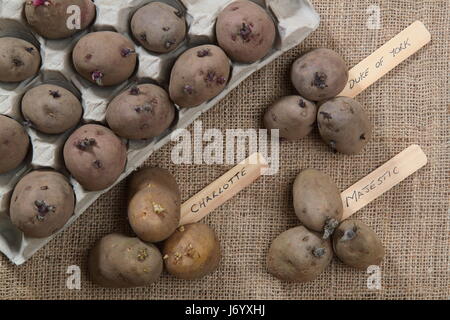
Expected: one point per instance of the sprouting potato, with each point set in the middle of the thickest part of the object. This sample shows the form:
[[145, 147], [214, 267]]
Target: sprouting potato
[[357, 245], [344, 125], [317, 201], [299, 255]]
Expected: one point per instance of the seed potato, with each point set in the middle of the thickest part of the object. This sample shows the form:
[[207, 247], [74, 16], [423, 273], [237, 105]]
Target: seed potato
[[319, 75], [95, 156], [293, 116], [19, 60], [49, 18], [51, 109], [199, 74], [142, 112], [154, 205], [105, 58], [159, 27], [317, 201], [299, 255], [192, 252], [14, 144], [245, 31], [42, 203], [344, 125], [357, 245], [118, 261]]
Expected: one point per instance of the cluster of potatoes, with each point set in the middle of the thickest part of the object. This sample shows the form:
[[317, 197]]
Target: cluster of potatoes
[[95, 155], [319, 77], [302, 253], [188, 252]]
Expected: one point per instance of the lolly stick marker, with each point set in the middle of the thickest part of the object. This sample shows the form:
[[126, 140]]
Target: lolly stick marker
[[386, 58], [382, 179], [223, 189]]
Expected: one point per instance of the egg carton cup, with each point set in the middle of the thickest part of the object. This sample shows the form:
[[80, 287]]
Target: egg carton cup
[[295, 20]]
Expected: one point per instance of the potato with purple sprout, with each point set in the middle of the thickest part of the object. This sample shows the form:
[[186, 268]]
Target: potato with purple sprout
[[19, 60], [245, 31], [141, 112], [42, 203], [159, 27], [51, 18], [95, 156], [105, 58], [199, 74]]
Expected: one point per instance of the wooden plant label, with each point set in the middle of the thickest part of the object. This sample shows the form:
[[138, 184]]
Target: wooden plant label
[[382, 179], [223, 189], [386, 58]]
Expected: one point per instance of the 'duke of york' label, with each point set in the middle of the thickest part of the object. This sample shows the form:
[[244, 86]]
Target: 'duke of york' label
[[386, 58], [223, 189], [382, 179]]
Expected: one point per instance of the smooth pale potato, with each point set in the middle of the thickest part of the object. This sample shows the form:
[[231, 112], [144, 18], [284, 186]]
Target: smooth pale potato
[[51, 109], [245, 31], [317, 201], [357, 245], [50, 21], [199, 74], [299, 255], [105, 58], [159, 27], [344, 125], [142, 112], [42, 203], [294, 116], [118, 261], [192, 252], [95, 157], [14, 144], [319, 75], [154, 204], [19, 60]]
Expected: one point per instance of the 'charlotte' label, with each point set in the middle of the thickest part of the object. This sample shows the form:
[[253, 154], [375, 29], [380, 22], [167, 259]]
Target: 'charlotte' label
[[218, 192]]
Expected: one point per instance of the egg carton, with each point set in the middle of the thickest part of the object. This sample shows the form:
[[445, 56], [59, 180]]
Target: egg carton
[[295, 20]]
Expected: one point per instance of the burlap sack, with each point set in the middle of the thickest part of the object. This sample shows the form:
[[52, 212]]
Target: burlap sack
[[409, 105]]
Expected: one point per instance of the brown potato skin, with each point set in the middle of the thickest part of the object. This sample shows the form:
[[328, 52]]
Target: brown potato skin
[[316, 199], [192, 252], [158, 28], [294, 116], [319, 75], [51, 114], [103, 52], [108, 149], [249, 44], [118, 261], [51, 21], [344, 125], [154, 189], [291, 257], [49, 186], [14, 144], [363, 250], [19, 60], [144, 113], [196, 79]]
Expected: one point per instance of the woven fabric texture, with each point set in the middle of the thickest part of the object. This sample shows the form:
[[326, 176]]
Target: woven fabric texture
[[410, 105]]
